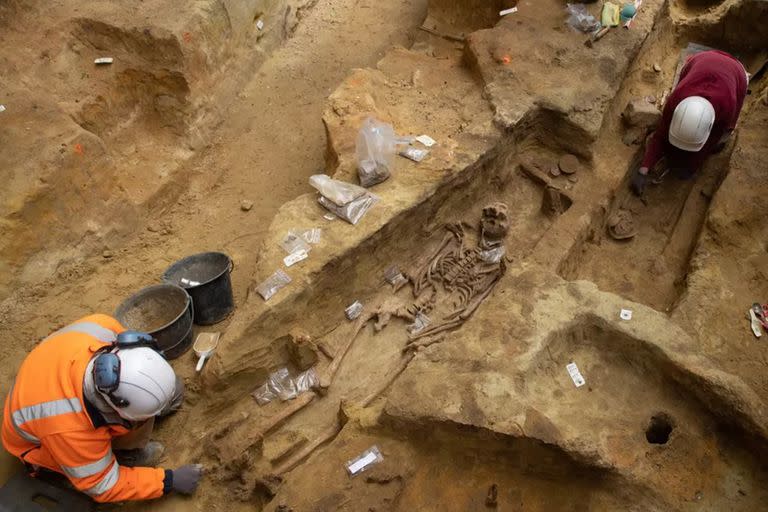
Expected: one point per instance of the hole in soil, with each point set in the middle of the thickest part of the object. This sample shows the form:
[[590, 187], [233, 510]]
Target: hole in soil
[[700, 4], [659, 429], [458, 18]]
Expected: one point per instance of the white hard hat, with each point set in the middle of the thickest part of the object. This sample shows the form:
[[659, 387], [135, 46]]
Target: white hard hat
[[691, 123], [147, 384]]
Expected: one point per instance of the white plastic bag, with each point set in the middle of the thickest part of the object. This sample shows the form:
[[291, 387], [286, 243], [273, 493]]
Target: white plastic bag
[[354, 310], [273, 284], [420, 323], [279, 384], [294, 242], [415, 154], [338, 192], [492, 255], [305, 381], [353, 211], [580, 18], [376, 147]]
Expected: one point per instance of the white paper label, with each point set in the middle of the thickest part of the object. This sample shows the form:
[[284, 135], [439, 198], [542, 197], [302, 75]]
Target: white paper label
[[295, 257], [626, 314], [360, 464], [260, 25], [508, 11], [426, 140], [103, 60], [2, 108], [575, 374]]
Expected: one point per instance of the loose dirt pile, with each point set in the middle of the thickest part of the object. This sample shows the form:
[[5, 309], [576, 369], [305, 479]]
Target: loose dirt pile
[[596, 373]]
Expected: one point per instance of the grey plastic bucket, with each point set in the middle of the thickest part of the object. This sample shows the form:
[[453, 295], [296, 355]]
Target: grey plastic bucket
[[205, 277], [165, 311]]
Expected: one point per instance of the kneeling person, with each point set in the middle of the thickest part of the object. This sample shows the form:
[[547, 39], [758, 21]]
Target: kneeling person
[[699, 115], [87, 389]]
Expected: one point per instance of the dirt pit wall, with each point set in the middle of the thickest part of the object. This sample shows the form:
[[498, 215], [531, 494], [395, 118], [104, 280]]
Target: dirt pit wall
[[503, 354], [95, 145]]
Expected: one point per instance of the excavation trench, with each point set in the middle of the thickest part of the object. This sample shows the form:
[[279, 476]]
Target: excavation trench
[[490, 406], [241, 451], [469, 468], [651, 268]]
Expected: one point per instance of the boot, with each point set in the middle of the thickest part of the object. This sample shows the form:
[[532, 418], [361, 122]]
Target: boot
[[149, 456]]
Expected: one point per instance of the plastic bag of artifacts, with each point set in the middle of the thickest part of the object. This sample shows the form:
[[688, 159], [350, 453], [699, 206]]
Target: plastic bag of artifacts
[[415, 154], [294, 242], [581, 19], [394, 277], [281, 385], [353, 310], [337, 192], [353, 211], [375, 148], [274, 283], [420, 323]]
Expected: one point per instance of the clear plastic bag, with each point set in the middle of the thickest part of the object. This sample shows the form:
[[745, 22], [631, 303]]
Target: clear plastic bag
[[394, 277], [376, 146], [493, 255], [580, 19], [419, 324], [305, 381], [415, 154], [338, 192], [294, 242], [312, 236], [351, 212], [273, 284], [281, 385], [367, 459], [354, 310], [264, 394]]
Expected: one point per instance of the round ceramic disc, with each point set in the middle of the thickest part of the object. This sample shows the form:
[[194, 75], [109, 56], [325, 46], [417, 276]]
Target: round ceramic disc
[[569, 164]]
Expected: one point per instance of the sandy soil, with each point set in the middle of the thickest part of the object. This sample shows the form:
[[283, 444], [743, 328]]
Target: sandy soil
[[263, 149], [488, 403]]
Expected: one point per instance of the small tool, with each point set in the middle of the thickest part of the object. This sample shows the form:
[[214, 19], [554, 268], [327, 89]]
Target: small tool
[[756, 320], [204, 347], [598, 36]]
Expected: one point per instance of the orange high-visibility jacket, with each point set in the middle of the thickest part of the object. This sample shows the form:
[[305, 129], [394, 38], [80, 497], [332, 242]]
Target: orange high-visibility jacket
[[46, 422]]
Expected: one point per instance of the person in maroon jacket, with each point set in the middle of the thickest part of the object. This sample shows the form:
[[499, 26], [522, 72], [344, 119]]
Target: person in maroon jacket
[[700, 114]]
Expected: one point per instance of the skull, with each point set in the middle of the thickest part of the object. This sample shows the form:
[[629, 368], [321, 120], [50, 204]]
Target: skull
[[494, 224]]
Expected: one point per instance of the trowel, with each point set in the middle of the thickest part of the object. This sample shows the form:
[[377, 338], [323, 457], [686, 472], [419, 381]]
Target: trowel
[[204, 347]]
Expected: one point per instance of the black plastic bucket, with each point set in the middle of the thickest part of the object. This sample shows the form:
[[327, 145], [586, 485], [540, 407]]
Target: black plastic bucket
[[206, 277], [164, 311]]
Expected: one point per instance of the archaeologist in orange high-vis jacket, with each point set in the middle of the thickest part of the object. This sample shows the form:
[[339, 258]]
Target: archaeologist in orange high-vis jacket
[[86, 390]]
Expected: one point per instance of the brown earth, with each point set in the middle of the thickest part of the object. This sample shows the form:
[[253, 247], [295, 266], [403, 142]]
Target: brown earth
[[202, 110]]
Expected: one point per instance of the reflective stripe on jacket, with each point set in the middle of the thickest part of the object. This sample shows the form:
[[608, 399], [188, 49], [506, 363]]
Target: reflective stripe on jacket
[[45, 421]]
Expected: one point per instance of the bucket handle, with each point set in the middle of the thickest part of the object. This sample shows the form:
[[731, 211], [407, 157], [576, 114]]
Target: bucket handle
[[231, 265]]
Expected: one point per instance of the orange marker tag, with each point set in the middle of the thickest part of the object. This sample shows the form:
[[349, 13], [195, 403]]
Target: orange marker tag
[[79, 149]]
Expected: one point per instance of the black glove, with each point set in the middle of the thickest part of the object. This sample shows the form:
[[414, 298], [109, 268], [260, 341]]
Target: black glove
[[637, 183], [186, 478]]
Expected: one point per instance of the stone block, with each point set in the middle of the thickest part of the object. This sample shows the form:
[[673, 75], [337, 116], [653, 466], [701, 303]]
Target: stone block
[[641, 114]]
